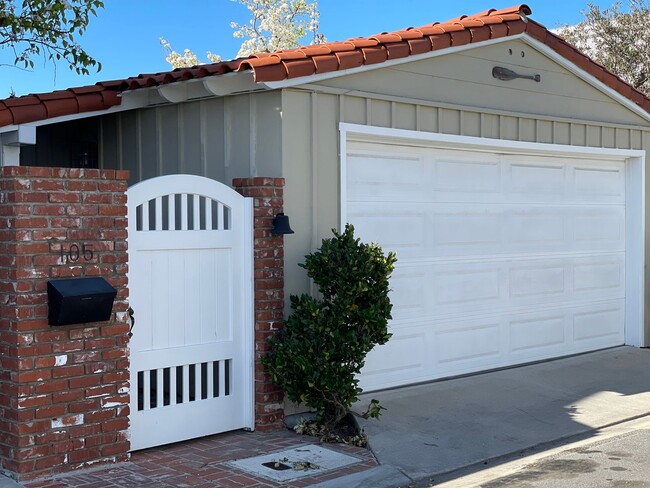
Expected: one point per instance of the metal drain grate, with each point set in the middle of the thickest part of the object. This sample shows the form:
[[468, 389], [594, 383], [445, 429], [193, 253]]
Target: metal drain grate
[[295, 463]]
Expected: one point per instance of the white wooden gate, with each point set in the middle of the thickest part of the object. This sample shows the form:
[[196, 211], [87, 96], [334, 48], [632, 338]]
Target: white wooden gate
[[190, 281]]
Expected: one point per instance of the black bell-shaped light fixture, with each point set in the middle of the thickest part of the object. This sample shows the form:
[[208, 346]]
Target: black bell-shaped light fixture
[[281, 225]]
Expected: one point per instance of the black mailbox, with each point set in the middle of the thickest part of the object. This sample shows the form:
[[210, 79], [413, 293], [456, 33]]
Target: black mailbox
[[79, 300]]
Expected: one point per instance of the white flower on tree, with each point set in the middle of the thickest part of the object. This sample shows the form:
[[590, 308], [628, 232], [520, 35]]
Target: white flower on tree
[[617, 39], [274, 25]]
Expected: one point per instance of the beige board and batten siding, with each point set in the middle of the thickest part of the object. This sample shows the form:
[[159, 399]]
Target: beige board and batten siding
[[220, 138], [311, 137], [465, 78]]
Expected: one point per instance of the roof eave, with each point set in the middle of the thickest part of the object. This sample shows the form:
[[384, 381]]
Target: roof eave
[[170, 93]]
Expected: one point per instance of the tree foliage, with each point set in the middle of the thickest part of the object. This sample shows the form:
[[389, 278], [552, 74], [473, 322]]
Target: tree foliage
[[324, 342], [274, 25], [617, 39], [48, 28]]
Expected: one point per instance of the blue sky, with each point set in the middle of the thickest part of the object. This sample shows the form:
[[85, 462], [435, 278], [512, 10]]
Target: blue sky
[[125, 35]]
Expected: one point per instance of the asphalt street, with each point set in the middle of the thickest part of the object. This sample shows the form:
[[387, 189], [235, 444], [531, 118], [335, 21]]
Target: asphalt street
[[616, 457]]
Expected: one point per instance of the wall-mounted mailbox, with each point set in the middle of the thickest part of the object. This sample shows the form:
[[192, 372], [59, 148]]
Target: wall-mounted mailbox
[[79, 300]]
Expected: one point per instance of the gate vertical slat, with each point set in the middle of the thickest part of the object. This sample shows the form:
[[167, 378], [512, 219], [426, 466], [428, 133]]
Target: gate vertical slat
[[197, 212], [186, 383], [198, 372], [184, 197], [146, 391], [222, 378], [145, 216], [208, 214], [171, 202], [160, 388], [210, 381], [220, 216], [159, 214], [172, 386]]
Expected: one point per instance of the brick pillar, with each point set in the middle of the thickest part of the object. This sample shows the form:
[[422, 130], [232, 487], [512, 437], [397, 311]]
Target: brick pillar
[[64, 391], [269, 291]]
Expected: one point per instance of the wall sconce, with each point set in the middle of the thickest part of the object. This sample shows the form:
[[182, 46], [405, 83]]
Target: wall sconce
[[281, 225], [505, 74]]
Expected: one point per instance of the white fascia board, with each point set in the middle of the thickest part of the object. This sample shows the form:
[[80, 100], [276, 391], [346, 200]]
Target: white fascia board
[[231, 83], [580, 73], [386, 64], [483, 144], [22, 135]]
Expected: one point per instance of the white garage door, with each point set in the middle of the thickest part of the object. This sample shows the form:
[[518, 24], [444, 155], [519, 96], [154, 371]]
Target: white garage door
[[503, 259]]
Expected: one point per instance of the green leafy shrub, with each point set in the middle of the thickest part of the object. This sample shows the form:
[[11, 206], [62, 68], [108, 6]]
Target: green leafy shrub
[[324, 342]]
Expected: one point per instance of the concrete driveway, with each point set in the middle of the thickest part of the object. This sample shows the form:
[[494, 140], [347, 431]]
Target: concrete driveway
[[470, 423]]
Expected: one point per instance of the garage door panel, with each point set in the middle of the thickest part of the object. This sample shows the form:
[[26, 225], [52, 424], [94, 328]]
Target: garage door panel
[[547, 331], [450, 177], [405, 354], [600, 276], [434, 231], [410, 174], [540, 280], [466, 285], [477, 340], [393, 177], [602, 183], [441, 348], [536, 180], [402, 230], [535, 229], [599, 323], [428, 290], [600, 228], [502, 259]]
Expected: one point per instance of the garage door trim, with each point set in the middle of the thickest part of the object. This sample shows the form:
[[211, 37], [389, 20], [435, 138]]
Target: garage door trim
[[635, 195]]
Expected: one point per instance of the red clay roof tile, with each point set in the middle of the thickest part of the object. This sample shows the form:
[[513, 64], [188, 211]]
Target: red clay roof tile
[[419, 46], [62, 106], [349, 59], [386, 38], [360, 42], [460, 38], [430, 30], [480, 34], [28, 113], [498, 30], [326, 64], [298, 68], [323, 58], [21, 101], [374, 54], [440, 42], [5, 117], [318, 50], [398, 50]]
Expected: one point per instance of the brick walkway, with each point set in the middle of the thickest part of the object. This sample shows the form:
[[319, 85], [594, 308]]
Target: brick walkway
[[202, 464]]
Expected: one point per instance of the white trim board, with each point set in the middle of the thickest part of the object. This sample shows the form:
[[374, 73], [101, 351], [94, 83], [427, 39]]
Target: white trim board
[[635, 193]]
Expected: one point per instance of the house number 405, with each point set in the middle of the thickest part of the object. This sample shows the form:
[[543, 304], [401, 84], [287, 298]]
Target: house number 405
[[75, 252]]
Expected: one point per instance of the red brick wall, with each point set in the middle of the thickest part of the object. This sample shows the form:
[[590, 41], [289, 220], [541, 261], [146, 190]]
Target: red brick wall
[[268, 251], [64, 391]]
